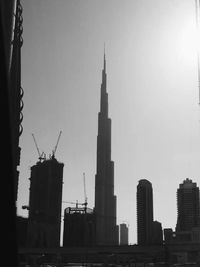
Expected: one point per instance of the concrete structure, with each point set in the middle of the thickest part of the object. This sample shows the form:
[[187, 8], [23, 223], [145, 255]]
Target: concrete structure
[[79, 227], [123, 234], [105, 200], [144, 212], [45, 203], [188, 206]]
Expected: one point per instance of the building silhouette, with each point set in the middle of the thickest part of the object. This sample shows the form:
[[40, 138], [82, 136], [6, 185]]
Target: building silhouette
[[79, 227], [11, 109], [157, 233], [123, 234], [188, 216], [11, 22], [45, 203], [188, 206], [105, 200], [188, 219], [149, 232], [144, 212]]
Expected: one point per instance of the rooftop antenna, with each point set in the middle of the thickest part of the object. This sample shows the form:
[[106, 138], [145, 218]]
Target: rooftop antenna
[[54, 151]]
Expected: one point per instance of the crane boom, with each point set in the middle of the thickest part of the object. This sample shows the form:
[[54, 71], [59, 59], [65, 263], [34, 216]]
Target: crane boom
[[76, 203], [54, 151], [85, 195], [36, 145]]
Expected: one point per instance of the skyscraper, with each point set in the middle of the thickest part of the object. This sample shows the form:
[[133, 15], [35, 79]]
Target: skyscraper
[[105, 200], [188, 206], [45, 204], [144, 212]]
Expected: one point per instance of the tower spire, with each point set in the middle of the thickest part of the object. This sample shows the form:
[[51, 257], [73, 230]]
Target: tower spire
[[104, 95]]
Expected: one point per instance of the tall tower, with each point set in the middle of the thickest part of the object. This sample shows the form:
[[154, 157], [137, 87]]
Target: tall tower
[[188, 206], [45, 204], [105, 200], [144, 212]]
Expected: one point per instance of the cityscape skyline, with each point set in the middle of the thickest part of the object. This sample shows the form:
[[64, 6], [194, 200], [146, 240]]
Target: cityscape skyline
[[132, 110]]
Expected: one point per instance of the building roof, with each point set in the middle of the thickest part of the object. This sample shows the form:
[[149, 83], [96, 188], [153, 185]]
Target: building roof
[[188, 184]]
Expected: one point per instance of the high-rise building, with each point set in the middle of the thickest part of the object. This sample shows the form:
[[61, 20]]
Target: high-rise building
[[123, 234], [105, 200], [188, 206], [144, 212], [45, 203]]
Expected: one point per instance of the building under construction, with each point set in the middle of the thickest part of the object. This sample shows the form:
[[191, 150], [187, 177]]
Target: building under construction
[[45, 202], [79, 226]]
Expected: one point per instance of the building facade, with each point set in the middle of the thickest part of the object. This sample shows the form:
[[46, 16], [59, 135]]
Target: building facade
[[188, 206], [45, 202], [144, 212], [105, 200]]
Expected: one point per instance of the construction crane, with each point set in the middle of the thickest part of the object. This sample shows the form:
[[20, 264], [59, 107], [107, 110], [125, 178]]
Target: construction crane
[[39, 154], [76, 203], [54, 151], [85, 195]]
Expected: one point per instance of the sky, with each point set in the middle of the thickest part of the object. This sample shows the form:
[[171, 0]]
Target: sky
[[152, 88]]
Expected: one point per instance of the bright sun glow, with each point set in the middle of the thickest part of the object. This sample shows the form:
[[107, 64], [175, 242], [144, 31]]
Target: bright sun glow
[[189, 42]]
